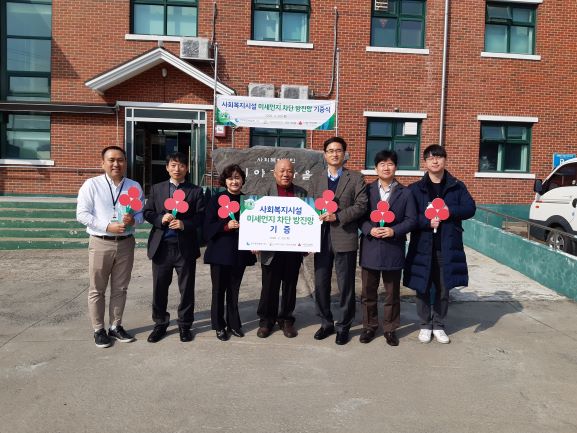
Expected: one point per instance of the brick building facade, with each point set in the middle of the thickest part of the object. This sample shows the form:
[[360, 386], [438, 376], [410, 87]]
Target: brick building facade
[[115, 74]]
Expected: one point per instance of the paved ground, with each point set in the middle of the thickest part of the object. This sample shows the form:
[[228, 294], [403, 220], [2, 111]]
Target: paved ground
[[511, 366]]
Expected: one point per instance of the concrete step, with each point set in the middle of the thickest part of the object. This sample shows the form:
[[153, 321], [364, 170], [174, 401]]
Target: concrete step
[[37, 205], [38, 213], [50, 243], [64, 233]]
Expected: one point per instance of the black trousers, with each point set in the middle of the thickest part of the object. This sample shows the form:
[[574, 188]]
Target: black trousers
[[167, 259], [432, 310], [284, 269], [345, 264], [226, 282], [369, 299]]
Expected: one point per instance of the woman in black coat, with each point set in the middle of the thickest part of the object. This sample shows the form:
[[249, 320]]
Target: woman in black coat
[[227, 262], [383, 249]]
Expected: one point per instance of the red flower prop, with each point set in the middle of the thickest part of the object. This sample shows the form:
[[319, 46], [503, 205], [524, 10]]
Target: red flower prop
[[437, 209], [382, 214], [176, 203], [326, 203], [228, 207], [131, 200]]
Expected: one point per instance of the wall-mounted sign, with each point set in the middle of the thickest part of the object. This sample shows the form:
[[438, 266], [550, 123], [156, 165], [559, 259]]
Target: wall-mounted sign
[[560, 158], [281, 113]]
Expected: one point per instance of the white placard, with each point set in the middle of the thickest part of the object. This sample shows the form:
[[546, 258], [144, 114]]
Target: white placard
[[410, 128], [279, 224]]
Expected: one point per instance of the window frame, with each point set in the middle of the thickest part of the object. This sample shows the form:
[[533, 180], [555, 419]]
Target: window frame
[[5, 74], [278, 134], [4, 134], [281, 8], [508, 23], [394, 139], [165, 4], [400, 17], [502, 146]]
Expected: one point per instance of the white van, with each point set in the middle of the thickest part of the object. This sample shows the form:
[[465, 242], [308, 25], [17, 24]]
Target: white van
[[555, 206]]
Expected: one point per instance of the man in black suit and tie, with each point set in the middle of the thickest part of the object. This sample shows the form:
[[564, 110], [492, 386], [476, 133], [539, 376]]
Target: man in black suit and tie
[[172, 244]]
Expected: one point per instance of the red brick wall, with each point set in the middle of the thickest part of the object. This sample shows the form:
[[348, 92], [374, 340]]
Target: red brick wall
[[89, 39]]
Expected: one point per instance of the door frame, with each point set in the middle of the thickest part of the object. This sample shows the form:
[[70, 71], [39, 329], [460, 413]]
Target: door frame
[[195, 115]]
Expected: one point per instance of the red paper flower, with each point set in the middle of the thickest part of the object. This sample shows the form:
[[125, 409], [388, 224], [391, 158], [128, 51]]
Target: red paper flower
[[176, 203], [131, 199], [326, 203], [382, 214], [227, 207], [437, 209]]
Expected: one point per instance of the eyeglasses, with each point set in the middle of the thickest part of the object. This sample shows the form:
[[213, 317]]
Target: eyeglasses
[[334, 151], [434, 158]]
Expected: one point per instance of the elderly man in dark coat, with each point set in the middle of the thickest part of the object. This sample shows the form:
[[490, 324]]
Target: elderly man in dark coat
[[436, 257], [383, 248]]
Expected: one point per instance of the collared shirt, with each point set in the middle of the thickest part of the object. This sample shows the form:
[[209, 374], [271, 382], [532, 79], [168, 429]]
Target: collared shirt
[[385, 193], [339, 173], [95, 208]]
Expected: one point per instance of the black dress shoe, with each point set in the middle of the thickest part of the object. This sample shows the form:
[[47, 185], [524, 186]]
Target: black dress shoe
[[222, 335], [157, 334], [392, 339], [323, 333], [236, 332], [185, 334], [342, 338], [367, 336], [263, 332]]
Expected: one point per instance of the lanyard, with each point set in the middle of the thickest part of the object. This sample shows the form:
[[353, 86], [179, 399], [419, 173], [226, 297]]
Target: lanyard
[[114, 201]]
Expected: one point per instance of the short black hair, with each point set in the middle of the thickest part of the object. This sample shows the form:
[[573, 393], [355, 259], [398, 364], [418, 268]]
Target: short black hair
[[386, 155], [435, 150], [228, 171], [335, 140], [107, 148], [177, 157]]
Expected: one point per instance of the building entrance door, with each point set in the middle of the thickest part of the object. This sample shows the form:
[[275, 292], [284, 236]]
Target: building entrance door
[[150, 139]]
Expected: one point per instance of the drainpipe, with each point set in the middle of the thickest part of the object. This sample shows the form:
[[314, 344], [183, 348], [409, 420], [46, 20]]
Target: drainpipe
[[213, 113], [335, 27], [337, 94], [444, 74]]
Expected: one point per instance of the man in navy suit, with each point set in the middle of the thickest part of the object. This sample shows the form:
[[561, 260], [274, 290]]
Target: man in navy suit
[[383, 248], [172, 245]]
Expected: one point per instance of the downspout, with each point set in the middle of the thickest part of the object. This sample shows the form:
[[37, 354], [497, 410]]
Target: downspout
[[444, 74], [213, 113], [337, 95], [335, 25]]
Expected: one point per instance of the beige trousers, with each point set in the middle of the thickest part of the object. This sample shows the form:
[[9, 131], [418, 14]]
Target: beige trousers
[[108, 260]]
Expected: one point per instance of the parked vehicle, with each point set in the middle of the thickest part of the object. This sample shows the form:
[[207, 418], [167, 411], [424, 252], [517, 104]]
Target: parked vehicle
[[555, 207]]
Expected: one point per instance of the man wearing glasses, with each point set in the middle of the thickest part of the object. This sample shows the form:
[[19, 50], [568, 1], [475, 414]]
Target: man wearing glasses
[[339, 240], [436, 259]]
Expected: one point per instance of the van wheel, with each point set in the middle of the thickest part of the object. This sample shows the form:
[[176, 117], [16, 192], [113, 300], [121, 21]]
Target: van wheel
[[561, 242]]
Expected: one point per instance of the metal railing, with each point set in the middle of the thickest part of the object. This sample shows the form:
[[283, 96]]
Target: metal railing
[[554, 237]]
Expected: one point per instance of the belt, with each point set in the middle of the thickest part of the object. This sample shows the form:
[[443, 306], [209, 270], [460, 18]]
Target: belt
[[113, 238]]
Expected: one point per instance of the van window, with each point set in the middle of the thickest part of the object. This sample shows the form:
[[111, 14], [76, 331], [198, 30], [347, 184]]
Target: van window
[[564, 176]]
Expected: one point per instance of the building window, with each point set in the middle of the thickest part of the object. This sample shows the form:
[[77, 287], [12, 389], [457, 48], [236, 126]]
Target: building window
[[25, 45], [165, 17], [400, 23], [510, 28], [504, 147], [277, 137], [24, 136], [401, 135], [280, 20]]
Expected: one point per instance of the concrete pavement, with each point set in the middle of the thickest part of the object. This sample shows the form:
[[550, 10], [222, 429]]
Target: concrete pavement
[[511, 366]]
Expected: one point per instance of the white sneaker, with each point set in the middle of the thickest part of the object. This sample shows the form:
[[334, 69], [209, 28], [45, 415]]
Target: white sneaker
[[441, 337], [425, 335]]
